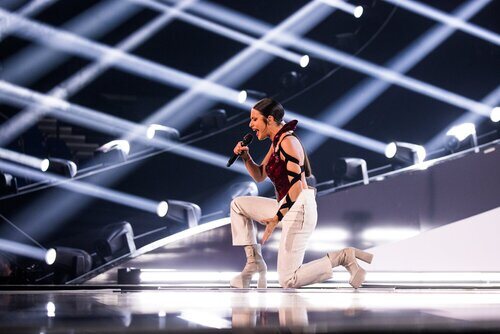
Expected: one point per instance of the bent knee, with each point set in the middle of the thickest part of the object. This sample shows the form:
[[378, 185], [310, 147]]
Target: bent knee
[[288, 281]]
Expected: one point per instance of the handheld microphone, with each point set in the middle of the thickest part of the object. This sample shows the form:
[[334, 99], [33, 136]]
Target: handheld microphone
[[245, 142]]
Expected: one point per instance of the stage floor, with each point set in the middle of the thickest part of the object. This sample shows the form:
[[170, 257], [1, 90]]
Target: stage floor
[[331, 309]]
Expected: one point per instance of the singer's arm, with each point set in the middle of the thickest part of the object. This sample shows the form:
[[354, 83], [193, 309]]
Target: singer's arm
[[257, 172]]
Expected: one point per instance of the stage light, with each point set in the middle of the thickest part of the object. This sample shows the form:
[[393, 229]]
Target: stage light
[[292, 80], [495, 114], [115, 240], [185, 213], [70, 263], [161, 131], [347, 170], [115, 151], [358, 11], [213, 120], [242, 96], [304, 61], [44, 166], [8, 184], [162, 209], [61, 167], [246, 94], [406, 153], [50, 256], [456, 136]]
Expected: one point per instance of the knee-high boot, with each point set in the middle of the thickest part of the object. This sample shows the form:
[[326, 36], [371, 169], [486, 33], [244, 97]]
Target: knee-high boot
[[255, 264], [347, 258]]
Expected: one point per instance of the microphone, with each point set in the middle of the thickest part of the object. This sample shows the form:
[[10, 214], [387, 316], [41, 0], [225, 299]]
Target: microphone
[[246, 141]]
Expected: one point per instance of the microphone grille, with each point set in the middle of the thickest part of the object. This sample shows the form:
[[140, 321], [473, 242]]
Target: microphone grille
[[247, 139]]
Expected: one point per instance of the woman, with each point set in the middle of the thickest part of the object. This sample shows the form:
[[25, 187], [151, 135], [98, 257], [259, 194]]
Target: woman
[[287, 165]]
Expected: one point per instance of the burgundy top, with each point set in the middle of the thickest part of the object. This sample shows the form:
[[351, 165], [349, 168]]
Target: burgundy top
[[276, 168]]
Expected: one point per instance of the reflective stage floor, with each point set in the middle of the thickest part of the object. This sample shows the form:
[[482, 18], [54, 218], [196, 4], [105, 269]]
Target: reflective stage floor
[[330, 309]]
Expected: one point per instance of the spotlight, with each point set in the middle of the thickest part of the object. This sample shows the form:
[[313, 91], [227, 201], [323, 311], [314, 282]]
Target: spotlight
[[162, 209], [249, 93], [115, 240], [213, 120], [347, 170], [184, 212], [457, 135], [161, 131], [50, 256], [115, 151], [358, 11], [8, 184], [292, 80], [495, 114], [406, 153], [70, 263], [60, 166], [304, 61]]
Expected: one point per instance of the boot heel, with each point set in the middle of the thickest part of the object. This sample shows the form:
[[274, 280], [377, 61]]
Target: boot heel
[[363, 256], [262, 282], [358, 278]]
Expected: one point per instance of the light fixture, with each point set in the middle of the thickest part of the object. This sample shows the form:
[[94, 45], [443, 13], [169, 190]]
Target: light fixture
[[185, 213], [115, 151], [456, 137], [60, 167], [70, 263], [162, 209], [245, 94], [357, 11], [406, 153], [8, 184], [304, 61], [347, 170], [161, 131], [214, 119], [50, 256], [495, 114], [115, 240]]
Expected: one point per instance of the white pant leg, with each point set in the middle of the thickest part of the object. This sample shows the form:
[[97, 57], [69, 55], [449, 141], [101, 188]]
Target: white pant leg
[[298, 225], [246, 209]]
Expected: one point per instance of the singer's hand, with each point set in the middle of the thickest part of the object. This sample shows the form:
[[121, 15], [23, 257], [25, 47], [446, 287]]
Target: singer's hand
[[241, 150], [271, 224]]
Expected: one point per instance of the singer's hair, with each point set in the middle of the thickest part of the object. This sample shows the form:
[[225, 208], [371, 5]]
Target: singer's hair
[[269, 107]]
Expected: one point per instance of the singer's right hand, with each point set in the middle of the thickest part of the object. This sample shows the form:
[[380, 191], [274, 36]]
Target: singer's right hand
[[241, 150]]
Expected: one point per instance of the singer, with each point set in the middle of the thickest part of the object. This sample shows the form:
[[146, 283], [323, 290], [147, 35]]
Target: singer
[[294, 209]]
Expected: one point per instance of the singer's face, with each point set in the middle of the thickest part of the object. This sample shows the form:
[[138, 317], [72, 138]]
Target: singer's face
[[258, 124]]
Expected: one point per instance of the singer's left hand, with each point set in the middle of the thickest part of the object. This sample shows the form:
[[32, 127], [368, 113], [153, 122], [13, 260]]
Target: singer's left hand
[[271, 224]]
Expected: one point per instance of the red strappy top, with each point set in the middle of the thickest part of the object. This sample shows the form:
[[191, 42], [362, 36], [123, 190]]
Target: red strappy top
[[276, 168]]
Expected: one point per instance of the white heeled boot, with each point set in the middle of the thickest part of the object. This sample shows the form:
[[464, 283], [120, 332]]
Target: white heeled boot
[[255, 264], [347, 258]]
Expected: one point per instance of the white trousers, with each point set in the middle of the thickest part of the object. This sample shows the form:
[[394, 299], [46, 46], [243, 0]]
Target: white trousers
[[298, 224]]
